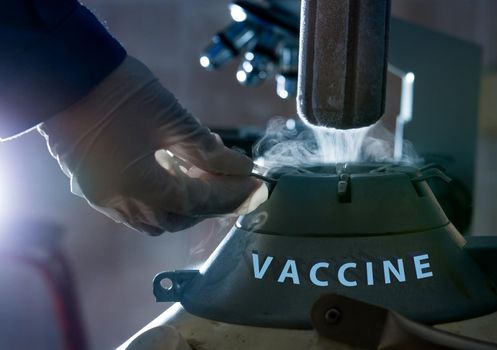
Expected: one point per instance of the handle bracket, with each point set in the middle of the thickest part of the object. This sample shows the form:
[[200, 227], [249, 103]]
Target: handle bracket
[[180, 279]]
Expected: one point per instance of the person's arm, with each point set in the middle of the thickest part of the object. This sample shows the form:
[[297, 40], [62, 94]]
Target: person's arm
[[52, 53], [108, 121]]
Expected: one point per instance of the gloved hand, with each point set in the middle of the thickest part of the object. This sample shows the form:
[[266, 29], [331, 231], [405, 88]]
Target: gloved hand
[[107, 144]]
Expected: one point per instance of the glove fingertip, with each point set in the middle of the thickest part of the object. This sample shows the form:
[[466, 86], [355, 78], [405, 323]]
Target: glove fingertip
[[233, 163], [256, 198]]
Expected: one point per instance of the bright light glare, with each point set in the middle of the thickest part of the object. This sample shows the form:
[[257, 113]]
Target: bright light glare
[[290, 124], [4, 199], [280, 87], [283, 94], [205, 61], [237, 13], [11, 201], [249, 56], [406, 97], [247, 67], [405, 115], [410, 77], [241, 76]]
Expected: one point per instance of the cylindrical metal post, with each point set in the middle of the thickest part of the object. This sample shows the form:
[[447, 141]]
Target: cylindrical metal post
[[343, 62]]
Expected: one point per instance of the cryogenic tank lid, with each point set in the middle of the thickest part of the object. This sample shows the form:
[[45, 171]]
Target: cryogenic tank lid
[[351, 199]]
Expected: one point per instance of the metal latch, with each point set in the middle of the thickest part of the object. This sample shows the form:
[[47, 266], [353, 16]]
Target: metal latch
[[343, 189]]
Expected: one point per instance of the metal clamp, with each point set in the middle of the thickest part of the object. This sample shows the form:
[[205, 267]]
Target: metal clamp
[[343, 188], [267, 179], [179, 281], [432, 173]]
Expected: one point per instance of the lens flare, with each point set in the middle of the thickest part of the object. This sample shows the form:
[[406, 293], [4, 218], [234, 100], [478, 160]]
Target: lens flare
[[237, 13], [241, 76], [205, 61]]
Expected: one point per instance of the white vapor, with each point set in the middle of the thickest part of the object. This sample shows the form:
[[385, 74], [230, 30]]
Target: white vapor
[[307, 145]]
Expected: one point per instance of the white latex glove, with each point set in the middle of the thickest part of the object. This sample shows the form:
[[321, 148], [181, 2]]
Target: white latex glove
[[107, 144]]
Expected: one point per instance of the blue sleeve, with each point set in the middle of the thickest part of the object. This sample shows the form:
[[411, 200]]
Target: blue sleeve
[[52, 53]]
